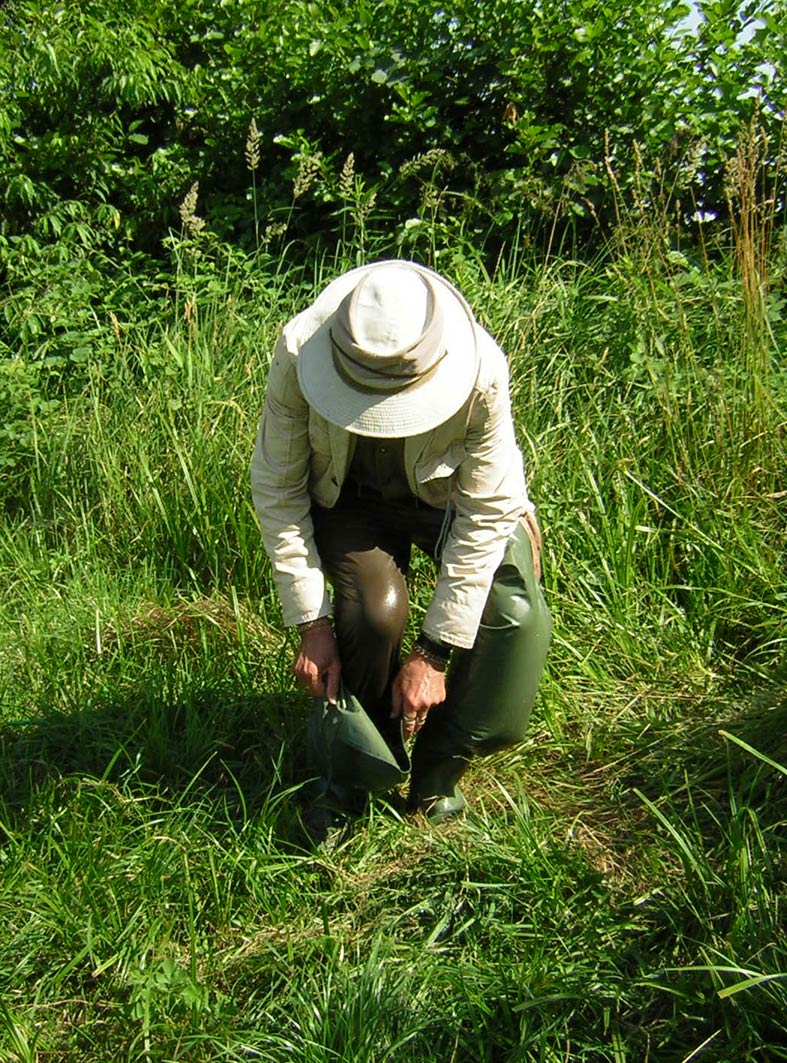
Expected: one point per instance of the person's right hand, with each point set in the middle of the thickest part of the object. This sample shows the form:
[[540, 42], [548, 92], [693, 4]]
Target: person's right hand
[[317, 666]]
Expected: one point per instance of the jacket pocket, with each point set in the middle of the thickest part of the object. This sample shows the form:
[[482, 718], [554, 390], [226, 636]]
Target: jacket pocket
[[324, 477], [319, 437], [439, 466]]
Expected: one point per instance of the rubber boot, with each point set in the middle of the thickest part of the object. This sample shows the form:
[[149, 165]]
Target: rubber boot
[[347, 748], [491, 687], [330, 812], [433, 787]]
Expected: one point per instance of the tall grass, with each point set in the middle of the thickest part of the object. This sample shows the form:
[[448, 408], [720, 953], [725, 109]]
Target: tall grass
[[617, 891]]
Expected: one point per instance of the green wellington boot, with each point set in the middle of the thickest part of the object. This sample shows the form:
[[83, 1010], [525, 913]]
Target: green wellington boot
[[349, 751], [491, 687], [330, 813], [351, 759], [433, 789]]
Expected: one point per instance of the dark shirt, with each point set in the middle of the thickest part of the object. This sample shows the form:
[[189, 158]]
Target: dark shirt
[[377, 468]]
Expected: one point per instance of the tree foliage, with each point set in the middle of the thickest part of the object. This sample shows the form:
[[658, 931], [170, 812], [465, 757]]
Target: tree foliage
[[115, 109], [135, 134]]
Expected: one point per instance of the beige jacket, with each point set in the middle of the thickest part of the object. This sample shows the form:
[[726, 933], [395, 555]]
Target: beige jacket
[[471, 462]]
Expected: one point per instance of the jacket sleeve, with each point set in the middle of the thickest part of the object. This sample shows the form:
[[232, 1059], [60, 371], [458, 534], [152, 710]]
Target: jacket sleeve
[[489, 496], [280, 490]]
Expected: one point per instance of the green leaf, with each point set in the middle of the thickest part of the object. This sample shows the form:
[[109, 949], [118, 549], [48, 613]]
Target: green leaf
[[749, 983], [754, 752]]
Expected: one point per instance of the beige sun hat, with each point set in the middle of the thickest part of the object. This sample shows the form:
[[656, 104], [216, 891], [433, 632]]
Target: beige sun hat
[[387, 350]]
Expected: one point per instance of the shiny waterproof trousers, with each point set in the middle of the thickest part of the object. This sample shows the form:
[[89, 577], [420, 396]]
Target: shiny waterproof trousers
[[365, 546]]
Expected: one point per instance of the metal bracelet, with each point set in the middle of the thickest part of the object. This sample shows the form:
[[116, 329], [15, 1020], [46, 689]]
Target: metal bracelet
[[440, 663], [434, 646]]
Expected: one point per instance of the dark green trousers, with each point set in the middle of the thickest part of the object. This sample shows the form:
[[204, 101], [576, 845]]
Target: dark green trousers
[[365, 545]]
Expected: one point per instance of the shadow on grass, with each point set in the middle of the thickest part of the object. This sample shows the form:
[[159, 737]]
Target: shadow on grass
[[726, 753], [234, 753]]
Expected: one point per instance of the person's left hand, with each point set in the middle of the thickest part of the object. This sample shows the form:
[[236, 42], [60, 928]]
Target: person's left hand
[[416, 689]]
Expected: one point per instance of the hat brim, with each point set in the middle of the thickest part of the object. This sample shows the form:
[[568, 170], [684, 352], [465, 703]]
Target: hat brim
[[423, 404]]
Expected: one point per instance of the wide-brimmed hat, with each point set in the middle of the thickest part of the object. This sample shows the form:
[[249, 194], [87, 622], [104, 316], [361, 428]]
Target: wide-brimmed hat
[[387, 350]]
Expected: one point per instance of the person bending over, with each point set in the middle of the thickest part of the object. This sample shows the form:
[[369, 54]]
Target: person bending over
[[386, 424]]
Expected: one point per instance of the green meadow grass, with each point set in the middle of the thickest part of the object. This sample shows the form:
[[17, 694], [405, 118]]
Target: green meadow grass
[[617, 890]]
